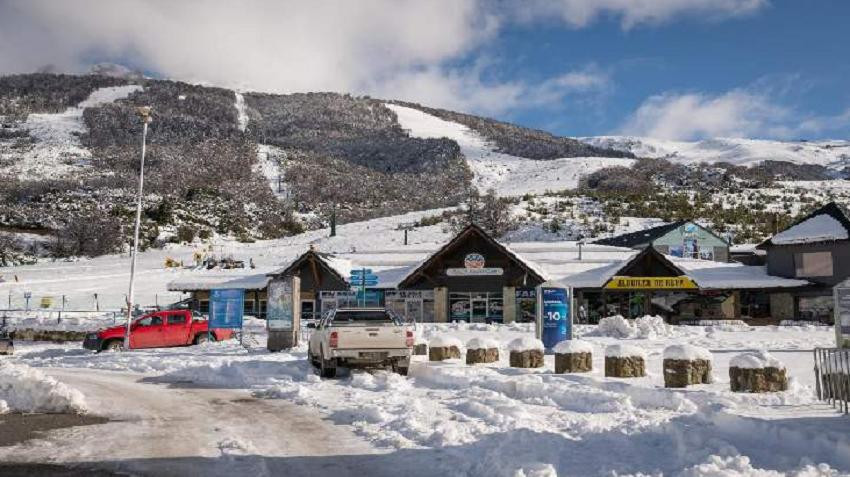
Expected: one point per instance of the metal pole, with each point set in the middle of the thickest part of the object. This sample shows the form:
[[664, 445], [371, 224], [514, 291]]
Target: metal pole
[[146, 118]]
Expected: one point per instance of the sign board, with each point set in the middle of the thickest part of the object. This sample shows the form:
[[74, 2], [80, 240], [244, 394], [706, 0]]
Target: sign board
[[554, 322], [651, 283], [226, 307], [841, 294], [46, 302], [361, 271], [474, 272], [283, 299]]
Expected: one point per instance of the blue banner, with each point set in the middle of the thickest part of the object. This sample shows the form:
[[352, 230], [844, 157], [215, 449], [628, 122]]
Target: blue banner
[[556, 316], [226, 307]]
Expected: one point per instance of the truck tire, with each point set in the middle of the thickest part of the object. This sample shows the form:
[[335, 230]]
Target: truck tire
[[113, 345], [402, 370], [204, 337], [328, 368]]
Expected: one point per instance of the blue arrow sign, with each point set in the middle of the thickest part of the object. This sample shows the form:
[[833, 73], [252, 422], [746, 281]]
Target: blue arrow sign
[[367, 283], [363, 277], [361, 271]]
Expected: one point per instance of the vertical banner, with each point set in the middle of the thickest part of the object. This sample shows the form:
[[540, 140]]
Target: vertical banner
[[554, 322], [226, 307], [842, 315], [280, 314]]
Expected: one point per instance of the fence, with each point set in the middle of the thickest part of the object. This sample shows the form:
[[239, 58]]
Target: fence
[[832, 377]]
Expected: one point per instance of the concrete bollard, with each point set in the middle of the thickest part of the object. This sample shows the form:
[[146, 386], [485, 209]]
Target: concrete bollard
[[685, 365], [526, 352], [573, 356], [442, 348], [624, 361], [757, 373], [482, 350]]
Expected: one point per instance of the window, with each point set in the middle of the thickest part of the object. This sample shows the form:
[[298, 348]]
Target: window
[[204, 306], [176, 319], [813, 264], [362, 317], [150, 321]]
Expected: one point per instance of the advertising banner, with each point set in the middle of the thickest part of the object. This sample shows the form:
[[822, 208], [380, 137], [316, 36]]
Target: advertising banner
[[280, 310], [555, 320], [226, 307], [651, 283]]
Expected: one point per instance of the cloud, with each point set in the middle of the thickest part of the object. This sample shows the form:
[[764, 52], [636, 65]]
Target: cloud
[[425, 50], [736, 113], [580, 13]]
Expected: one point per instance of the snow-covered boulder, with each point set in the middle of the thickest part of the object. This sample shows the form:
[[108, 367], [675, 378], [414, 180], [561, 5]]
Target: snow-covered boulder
[[482, 350], [526, 352], [24, 389], [686, 364], [757, 372], [624, 361], [573, 356], [443, 347]]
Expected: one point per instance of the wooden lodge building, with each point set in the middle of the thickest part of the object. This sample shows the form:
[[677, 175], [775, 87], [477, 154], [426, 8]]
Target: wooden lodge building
[[476, 278]]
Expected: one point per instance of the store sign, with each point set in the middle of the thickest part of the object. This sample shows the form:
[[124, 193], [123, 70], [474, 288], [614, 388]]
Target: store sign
[[842, 315], [651, 283], [226, 307], [474, 260], [474, 272], [280, 314]]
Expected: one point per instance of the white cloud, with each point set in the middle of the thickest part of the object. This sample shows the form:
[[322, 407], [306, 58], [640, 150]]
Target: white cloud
[[580, 13], [737, 113]]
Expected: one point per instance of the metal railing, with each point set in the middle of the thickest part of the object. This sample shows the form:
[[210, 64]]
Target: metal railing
[[832, 377]]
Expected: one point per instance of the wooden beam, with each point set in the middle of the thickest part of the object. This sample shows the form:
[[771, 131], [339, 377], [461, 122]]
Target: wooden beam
[[317, 279]]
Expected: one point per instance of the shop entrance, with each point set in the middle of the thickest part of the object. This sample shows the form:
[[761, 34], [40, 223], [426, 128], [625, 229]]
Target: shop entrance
[[479, 310]]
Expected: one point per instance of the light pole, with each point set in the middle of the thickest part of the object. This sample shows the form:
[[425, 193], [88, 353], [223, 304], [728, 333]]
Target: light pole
[[144, 113]]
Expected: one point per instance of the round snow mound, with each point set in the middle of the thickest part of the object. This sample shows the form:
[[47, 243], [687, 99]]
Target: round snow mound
[[624, 351], [573, 346], [686, 352], [24, 389], [445, 341], [759, 360], [526, 343], [482, 343]]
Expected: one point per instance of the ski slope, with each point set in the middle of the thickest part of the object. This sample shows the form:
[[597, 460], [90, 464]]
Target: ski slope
[[738, 151], [508, 175]]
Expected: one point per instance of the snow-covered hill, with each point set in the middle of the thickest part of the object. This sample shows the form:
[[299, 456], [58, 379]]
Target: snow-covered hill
[[744, 152], [508, 175]]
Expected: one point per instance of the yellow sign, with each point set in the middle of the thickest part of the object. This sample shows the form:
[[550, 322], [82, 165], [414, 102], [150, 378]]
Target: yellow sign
[[46, 302], [651, 283]]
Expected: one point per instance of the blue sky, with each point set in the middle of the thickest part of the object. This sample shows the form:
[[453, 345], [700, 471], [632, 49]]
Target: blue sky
[[674, 69]]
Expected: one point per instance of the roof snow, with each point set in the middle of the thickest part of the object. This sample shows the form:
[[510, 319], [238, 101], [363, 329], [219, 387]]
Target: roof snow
[[820, 228]]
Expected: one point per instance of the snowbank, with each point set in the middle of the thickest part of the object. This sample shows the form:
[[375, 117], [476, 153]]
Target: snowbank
[[525, 343], [644, 327], [573, 346], [445, 341], [482, 343], [24, 389], [686, 352], [624, 351], [757, 360]]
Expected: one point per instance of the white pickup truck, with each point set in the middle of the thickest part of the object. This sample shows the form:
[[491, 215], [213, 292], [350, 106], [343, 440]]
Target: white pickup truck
[[359, 338]]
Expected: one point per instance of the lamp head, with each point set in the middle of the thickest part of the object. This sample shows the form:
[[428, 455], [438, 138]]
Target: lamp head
[[144, 112]]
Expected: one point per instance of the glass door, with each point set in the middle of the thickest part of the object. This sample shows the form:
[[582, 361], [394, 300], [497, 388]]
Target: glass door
[[479, 310]]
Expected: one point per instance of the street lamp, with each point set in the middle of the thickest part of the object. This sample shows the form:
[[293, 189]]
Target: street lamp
[[144, 113]]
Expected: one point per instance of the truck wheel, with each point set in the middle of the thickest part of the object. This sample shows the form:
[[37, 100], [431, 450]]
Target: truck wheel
[[203, 338], [114, 345], [328, 368], [402, 370]]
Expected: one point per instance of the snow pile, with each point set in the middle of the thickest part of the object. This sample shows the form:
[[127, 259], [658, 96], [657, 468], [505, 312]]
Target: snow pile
[[536, 470], [819, 228], [757, 360], [686, 352], [573, 346], [647, 327], [24, 389], [624, 351], [482, 343], [445, 341], [525, 343], [740, 466]]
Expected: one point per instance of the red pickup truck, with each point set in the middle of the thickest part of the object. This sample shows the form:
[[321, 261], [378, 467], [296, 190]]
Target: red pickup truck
[[160, 329]]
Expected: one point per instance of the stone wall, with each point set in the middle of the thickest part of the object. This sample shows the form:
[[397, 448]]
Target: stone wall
[[532, 358], [484, 355], [573, 362], [625, 367], [440, 353]]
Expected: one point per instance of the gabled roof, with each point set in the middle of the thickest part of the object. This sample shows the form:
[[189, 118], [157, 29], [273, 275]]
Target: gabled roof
[[529, 267], [219, 279], [641, 237], [339, 267], [829, 223], [598, 277]]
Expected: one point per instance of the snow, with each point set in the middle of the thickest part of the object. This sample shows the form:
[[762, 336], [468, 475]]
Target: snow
[[445, 341], [624, 351], [508, 175], [482, 343], [737, 151], [222, 279], [24, 389], [644, 327], [756, 360], [819, 228], [525, 343], [241, 113], [686, 352], [58, 151], [573, 346]]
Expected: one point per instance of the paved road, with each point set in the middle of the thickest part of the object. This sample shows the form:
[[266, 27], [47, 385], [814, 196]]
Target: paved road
[[162, 430]]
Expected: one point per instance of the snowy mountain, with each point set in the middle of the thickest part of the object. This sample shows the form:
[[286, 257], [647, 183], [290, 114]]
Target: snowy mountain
[[742, 152]]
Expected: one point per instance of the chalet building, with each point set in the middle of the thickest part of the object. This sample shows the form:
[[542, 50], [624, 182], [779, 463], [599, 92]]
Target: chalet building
[[816, 249], [680, 239]]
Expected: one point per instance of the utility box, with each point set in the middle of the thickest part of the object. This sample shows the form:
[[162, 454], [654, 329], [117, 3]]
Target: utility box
[[283, 313], [841, 294]]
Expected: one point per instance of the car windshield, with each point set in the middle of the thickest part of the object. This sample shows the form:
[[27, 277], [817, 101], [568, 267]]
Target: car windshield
[[363, 317]]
